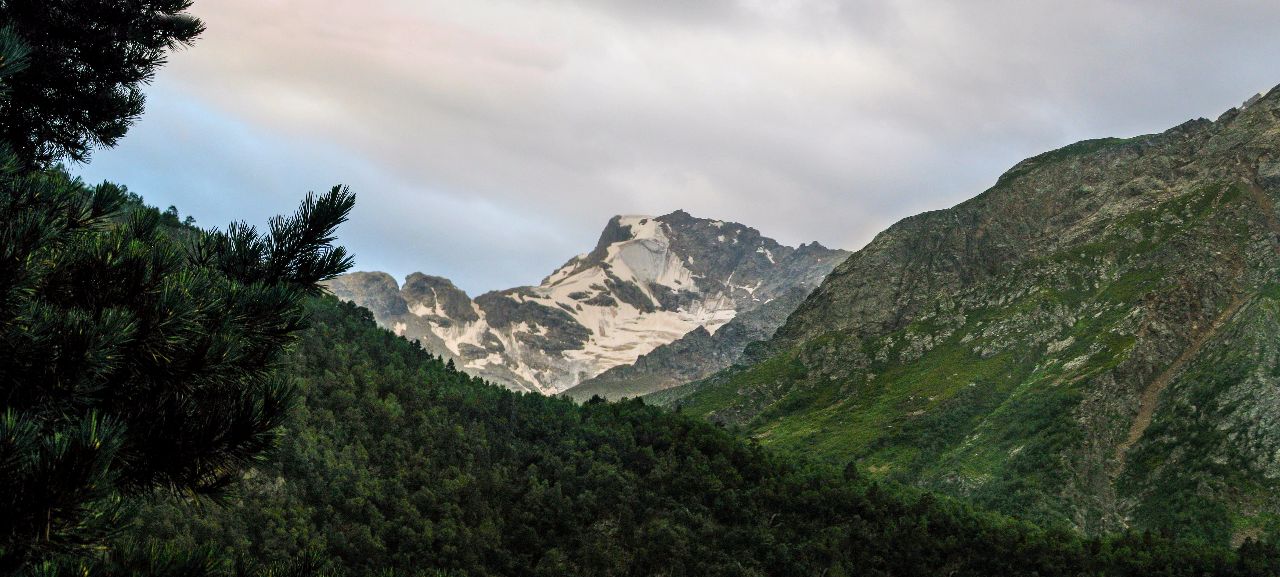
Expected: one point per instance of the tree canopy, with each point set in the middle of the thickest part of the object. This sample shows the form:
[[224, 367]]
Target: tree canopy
[[86, 64], [394, 462], [140, 357], [141, 353]]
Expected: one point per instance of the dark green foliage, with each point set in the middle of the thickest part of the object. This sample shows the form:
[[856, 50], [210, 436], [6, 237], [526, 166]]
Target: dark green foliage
[[138, 352], [142, 560], [138, 356], [88, 60], [396, 461]]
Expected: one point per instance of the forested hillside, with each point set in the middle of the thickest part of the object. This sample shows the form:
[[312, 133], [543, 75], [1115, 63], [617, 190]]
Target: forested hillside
[[393, 460]]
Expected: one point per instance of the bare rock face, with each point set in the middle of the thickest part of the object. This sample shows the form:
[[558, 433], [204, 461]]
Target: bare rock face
[[378, 289], [1095, 340], [649, 282]]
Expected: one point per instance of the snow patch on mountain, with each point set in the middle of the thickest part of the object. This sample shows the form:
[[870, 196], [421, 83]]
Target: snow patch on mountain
[[649, 282]]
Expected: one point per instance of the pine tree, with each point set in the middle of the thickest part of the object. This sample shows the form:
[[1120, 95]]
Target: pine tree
[[140, 354], [88, 62], [139, 357]]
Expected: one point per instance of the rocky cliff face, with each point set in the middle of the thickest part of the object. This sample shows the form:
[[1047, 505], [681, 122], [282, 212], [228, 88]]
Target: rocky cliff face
[[1095, 340], [649, 282]]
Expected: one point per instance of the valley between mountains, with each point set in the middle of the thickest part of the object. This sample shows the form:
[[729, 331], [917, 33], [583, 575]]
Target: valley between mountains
[[1091, 342], [1074, 373]]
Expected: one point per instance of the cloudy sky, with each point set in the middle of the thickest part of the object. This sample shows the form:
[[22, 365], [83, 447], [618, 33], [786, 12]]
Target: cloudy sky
[[490, 140]]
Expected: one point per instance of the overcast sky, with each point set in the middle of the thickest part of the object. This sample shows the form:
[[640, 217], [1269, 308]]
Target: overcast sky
[[489, 141]]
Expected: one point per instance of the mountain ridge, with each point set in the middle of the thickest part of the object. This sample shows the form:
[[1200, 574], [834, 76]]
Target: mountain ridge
[[648, 282], [1001, 350]]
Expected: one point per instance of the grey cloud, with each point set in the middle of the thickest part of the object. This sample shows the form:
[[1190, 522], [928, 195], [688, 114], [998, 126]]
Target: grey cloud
[[492, 138]]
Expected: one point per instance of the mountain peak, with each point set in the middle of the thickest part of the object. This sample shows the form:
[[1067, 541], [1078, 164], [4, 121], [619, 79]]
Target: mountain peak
[[640, 227], [1269, 100], [648, 282], [1272, 95]]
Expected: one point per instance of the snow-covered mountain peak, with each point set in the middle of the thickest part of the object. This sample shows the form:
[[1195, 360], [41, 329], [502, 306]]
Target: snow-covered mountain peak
[[648, 282]]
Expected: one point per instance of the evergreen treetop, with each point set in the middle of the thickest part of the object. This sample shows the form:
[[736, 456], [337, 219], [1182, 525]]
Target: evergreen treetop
[[87, 61]]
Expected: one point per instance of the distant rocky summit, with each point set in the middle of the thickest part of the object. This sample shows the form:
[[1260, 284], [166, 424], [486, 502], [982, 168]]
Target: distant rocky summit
[[709, 287]]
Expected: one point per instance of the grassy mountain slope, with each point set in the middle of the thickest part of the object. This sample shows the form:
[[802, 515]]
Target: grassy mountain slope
[[393, 461], [1092, 341]]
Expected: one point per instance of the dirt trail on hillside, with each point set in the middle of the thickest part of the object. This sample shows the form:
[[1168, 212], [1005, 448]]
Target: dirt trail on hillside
[[1151, 394], [1268, 208]]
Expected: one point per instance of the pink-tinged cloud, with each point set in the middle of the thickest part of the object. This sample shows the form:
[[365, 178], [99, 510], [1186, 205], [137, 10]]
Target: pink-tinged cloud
[[492, 139]]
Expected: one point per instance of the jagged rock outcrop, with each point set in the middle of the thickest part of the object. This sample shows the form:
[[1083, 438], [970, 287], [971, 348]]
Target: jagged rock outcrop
[[649, 282], [1095, 340]]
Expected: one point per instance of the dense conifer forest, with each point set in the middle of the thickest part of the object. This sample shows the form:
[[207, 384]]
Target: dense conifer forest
[[393, 460]]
